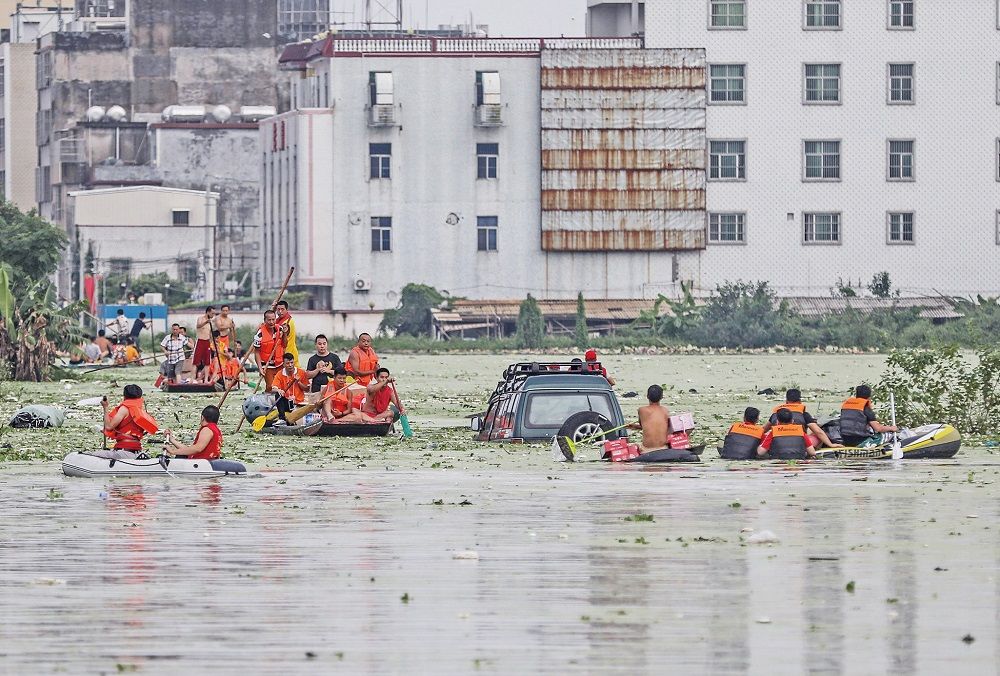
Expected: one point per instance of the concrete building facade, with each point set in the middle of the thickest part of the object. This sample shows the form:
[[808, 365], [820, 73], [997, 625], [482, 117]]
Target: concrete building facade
[[17, 124], [424, 160], [847, 138], [615, 18]]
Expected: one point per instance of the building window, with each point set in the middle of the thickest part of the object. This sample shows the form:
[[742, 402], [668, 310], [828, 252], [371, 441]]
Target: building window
[[381, 233], [187, 270], [3, 134], [998, 228], [380, 88], [900, 83], [822, 82], [901, 160], [3, 184], [727, 160], [3, 75], [822, 14], [727, 83], [900, 225], [821, 228], [486, 159], [726, 228], [900, 14], [727, 14], [181, 217], [822, 160], [380, 156], [486, 233]]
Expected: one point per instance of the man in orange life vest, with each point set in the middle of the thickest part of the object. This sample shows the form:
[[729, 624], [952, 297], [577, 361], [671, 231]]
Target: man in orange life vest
[[380, 395], [339, 405], [857, 416], [207, 441], [362, 362], [743, 438], [127, 424], [269, 344], [786, 440], [291, 384], [800, 416]]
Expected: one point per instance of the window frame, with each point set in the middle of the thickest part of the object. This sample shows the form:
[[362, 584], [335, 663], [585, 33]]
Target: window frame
[[173, 218], [997, 228], [805, 84], [746, 15], [888, 228], [373, 92], [708, 85], [823, 242], [888, 161], [481, 155], [384, 160], [740, 166], [822, 179], [888, 17], [805, 16], [913, 83], [383, 227], [728, 242], [488, 228]]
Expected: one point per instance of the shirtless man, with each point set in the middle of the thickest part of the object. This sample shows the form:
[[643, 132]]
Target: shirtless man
[[225, 326], [203, 348], [654, 421]]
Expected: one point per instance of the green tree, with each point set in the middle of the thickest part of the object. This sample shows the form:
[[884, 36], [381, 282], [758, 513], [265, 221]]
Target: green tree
[[744, 314], [580, 328], [30, 245], [881, 285], [413, 314], [530, 324]]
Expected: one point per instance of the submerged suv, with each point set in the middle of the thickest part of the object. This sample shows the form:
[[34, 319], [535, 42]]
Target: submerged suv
[[535, 402]]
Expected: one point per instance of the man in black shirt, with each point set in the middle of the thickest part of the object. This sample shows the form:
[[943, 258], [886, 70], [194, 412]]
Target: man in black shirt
[[138, 326], [321, 364]]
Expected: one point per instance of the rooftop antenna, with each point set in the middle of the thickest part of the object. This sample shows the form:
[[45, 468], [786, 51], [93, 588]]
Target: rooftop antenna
[[380, 15]]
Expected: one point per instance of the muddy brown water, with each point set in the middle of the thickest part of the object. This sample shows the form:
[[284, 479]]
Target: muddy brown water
[[440, 555]]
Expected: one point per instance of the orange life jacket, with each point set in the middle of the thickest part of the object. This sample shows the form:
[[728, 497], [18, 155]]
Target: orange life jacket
[[272, 345], [214, 448], [741, 441], [129, 433], [367, 361], [231, 369], [798, 410], [853, 421], [787, 442]]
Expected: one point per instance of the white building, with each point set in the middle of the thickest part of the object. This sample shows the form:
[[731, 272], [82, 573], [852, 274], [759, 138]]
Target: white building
[[615, 18], [488, 168], [848, 138]]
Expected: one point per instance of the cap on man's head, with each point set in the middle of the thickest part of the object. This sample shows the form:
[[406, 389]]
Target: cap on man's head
[[590, 355]]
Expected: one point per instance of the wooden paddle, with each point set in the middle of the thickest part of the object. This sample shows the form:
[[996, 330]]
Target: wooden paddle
[[404, 420], [302, 411]]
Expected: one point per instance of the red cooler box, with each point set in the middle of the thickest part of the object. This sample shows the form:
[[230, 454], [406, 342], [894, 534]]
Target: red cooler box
[[619, 450]]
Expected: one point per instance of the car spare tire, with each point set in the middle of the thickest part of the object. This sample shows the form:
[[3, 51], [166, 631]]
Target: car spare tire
[[585, 425]]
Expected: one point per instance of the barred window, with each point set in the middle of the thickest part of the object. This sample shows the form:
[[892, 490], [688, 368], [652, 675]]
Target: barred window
[[727, 160], [726, 227], [822, 160], [822, 82], [727, 14], [821, 227], [822, 14], [900, 83], [900, 160], [727, 83], [900, 227], [900, 14]]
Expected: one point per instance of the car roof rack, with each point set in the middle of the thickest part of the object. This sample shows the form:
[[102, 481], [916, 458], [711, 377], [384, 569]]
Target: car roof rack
[[515, 374]]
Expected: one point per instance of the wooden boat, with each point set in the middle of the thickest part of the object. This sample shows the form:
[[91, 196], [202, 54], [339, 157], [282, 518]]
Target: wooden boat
[[329, 429], [192, 388], [294, 430]]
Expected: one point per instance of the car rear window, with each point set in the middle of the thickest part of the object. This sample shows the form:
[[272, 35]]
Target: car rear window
[[550, 409]]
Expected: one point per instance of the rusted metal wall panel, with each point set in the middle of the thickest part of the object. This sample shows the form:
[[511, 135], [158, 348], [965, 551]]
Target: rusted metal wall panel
[[624, 159], [622, 99], [623, 149], [623, 179], [623, 220], [623, 240], [612, 118], [623, 139]]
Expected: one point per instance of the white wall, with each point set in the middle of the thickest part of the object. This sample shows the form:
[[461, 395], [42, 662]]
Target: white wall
[[955, 121], [307, 323]]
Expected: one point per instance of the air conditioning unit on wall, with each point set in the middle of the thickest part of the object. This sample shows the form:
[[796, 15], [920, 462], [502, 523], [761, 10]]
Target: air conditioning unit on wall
[[361, 284]]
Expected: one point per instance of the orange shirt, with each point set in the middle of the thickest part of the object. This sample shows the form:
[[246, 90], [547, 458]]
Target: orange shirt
[[367, 361], [339, 402], [231, 369], [293, 387]]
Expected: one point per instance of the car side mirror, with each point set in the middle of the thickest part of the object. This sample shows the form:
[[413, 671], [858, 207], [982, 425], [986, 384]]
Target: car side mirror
[[475, 424]]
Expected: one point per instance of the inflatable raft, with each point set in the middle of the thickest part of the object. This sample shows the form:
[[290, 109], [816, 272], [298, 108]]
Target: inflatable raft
[[192, 388], [88, 465], [927, 442]]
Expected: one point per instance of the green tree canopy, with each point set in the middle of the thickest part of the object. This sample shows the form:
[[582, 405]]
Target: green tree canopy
[[413, 315], [530, 324], [580, 329], [30, 245]]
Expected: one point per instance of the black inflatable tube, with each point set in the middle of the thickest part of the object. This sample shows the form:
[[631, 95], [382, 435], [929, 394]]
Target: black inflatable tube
[[666, 455]]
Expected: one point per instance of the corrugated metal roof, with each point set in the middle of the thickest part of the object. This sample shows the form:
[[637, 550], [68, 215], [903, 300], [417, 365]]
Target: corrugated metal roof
[[930, 308]]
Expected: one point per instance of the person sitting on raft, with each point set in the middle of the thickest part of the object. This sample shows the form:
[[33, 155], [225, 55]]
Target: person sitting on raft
[[207, 441], [362, 362], [127, 424], [786, 440], [291, 385], [743, 438], [793, 403], [338, 404], [321, 365], [381, 400], [654, 421], [857, 419], [232, 370], [594, 366]]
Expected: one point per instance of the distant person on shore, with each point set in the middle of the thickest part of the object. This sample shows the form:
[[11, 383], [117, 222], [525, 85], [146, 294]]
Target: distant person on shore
[[800, 416], [173, 352], [119, 325], [127, 424], [138, 326], [225, 327], [322, 364], [103, 343], [362, 362], [786, 440], [287, 324], [743, 438], [92, 351], [132, 352], [857, 419], [654, 421], [381, 399], [207, 440], [594, 366]]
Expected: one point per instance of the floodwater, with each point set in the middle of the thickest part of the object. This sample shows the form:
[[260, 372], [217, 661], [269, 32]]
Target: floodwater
[[439, 555]]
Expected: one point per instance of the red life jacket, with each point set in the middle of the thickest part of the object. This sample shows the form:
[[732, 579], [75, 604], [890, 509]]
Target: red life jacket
[[380, 400], [129, 433], [367, 361], [272, 347], [213, 450]]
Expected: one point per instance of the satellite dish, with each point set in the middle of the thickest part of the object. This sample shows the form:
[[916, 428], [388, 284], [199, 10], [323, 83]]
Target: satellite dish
[[354, 218]]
